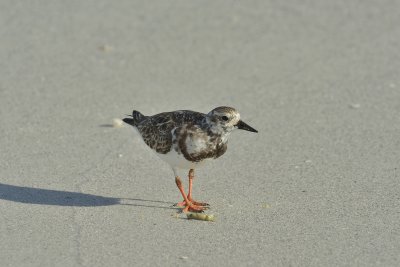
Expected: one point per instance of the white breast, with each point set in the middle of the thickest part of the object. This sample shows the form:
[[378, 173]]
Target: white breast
[[196, 145], [178, 160]]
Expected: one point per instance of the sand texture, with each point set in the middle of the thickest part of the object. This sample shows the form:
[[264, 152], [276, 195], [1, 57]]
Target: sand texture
[[317, 186]]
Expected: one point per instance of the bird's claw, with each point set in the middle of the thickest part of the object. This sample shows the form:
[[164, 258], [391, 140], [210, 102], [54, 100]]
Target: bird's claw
[[202, 204], [193, 208], [196, 203]]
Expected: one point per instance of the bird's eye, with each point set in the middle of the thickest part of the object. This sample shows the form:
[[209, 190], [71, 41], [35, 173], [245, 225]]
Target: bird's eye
[[225, 118]]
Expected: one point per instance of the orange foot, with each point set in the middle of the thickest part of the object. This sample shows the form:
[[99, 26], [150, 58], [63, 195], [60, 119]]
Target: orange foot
[[194, 202], [188, 203], [192, 207]]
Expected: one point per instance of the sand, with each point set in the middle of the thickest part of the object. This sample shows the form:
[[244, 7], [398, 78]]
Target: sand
[[317, 186]]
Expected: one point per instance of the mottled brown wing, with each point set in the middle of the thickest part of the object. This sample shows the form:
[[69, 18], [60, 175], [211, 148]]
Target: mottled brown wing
[[156, 132]]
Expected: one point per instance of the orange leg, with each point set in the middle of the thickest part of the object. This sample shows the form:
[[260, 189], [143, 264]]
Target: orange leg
[[189, 195], [191, 176], [187, 204]]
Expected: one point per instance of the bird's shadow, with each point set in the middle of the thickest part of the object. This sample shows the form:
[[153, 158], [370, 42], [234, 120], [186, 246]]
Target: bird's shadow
[[39, 196], [106, 125]]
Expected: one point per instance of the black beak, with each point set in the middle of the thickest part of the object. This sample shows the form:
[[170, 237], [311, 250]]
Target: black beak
[[244, 126]]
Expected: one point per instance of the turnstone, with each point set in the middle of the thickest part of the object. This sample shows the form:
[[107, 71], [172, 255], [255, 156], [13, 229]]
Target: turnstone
[[187, 139]]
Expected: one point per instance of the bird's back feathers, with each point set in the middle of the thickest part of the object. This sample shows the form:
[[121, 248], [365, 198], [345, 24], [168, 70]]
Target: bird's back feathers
[[171, 130]]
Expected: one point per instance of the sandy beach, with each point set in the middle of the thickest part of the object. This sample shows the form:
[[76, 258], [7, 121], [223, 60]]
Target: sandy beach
[[317, 186]]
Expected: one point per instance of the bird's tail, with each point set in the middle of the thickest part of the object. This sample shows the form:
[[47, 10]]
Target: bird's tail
[[137, 117]]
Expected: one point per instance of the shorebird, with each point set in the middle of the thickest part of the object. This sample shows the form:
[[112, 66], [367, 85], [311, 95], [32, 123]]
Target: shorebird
[[187, 139]]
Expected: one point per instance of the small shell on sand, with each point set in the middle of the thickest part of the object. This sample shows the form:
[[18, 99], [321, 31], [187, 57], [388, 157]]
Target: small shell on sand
[[354, 106], [106, 48], [117, 123], [201, 217]]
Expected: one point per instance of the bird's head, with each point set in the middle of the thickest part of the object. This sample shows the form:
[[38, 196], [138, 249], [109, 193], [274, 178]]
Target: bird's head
[[226, 119]]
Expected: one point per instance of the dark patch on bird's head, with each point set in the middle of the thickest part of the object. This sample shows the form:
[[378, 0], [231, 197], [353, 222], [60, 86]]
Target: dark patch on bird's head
[[223, 118], [226, 119]]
